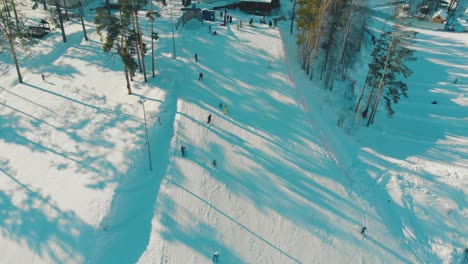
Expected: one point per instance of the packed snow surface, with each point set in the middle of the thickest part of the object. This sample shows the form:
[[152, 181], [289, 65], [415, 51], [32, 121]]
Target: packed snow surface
[[289, 185]]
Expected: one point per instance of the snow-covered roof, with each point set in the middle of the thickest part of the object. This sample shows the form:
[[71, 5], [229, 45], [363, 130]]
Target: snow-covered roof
[[34, 22], [442, 13]]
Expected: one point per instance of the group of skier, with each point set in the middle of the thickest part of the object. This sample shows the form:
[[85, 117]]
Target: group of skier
[[225, 108]]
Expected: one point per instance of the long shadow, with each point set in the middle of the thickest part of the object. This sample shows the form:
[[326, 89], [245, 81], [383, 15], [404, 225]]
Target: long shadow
[[260, 117], [194, 239], [28, 217], [131, 212]]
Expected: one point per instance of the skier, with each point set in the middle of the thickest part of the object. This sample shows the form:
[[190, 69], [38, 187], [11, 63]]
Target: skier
[[221, 14], [182, 150], [270, 23], [209, 28], [213, 163], [215, 257], [220, 105], [269, 64], [200, 76], [434, 102], [209, 119], [455, 81], [196, 57], [226, 110], [43, 77], [363, 231]]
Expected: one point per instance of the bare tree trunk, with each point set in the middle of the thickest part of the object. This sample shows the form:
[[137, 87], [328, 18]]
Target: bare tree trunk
[[362, 93], [369, 98], [129, 87], [137, 46], [142, 52], [7, 30], [59, 12], [345, 41], [152, 38], [293, 16], [66, 10], [7, 9], [16, 16], [82, 21], [363, 27], [322, 9]]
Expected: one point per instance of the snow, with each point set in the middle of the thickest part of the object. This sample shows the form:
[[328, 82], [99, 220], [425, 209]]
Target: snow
[[290, 186]]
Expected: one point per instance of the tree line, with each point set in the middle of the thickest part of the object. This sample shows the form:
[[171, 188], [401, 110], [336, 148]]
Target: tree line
[[330, 36]]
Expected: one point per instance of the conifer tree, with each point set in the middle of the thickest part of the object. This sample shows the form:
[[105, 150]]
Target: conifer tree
[[387, 68], [114, 32]]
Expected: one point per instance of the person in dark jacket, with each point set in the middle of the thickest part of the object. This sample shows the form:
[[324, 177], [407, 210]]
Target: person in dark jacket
[[364, 113], [200, 76], [182, 150], [209, 119]]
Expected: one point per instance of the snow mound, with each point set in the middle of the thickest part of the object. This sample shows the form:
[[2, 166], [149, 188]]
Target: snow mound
[[193, 24]]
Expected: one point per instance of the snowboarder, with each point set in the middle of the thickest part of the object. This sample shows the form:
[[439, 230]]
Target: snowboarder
[[226, 110], [43, 77], [196, 57], [214, 33], [209, 119], [220, 105], [200, 76], [363, 231], [182, 150], [215, 257], [213, 163], [434, 102]]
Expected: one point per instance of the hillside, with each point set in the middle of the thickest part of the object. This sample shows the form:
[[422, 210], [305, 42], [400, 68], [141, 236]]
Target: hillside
[[289, 185]]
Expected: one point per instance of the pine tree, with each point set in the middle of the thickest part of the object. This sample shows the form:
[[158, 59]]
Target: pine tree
[[114, 33], [387, 68]]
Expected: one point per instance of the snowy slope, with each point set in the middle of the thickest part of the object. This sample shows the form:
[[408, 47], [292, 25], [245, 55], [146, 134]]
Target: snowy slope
[[289, 185]]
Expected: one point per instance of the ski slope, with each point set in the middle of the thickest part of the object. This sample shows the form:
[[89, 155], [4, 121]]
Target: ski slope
[[289, 186]]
